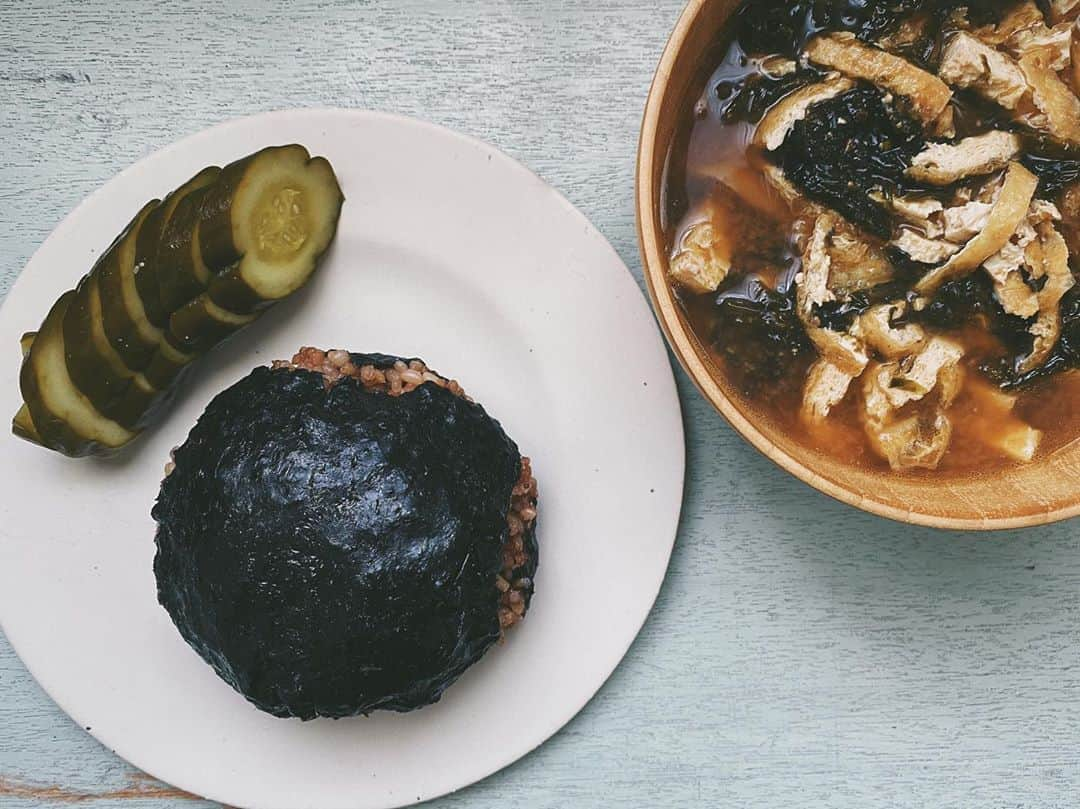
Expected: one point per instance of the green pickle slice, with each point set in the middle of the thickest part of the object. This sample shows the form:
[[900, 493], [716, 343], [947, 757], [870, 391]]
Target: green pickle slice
[[64, 418], [265, 224]]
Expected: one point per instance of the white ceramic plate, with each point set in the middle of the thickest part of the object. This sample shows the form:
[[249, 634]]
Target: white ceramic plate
[[448, 250]]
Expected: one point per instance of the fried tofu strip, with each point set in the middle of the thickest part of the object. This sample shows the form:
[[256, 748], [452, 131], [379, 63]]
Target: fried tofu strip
[[1008, 213], [929, 96], [1058, 107], [1064, 10], [703, 259], [947, 163], [1029, 87], [1059, 280], [782, 117], [826, 386], [969, 63], [889, 340], [920, 440]]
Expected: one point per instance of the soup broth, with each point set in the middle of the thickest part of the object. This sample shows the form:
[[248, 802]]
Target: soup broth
[[742, 220]]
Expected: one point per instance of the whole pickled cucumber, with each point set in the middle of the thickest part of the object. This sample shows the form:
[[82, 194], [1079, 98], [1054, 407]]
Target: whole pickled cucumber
[[184, 275]]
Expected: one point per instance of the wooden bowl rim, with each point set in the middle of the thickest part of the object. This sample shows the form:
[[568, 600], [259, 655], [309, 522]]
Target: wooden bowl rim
[[651, 243]]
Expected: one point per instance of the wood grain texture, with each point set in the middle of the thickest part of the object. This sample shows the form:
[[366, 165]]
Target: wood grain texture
[[801, 653]]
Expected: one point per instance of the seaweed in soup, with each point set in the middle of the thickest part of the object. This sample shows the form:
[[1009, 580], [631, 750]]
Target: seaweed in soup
[[848, 148], [1054, 172], [749, 99], [1065, 355], [760, 336], [783, 27]]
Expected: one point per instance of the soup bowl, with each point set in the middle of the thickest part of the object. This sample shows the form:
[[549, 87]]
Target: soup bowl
[[1044, 491]]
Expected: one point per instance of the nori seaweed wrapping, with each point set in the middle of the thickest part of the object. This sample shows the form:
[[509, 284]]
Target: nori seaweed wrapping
[[334, 552]]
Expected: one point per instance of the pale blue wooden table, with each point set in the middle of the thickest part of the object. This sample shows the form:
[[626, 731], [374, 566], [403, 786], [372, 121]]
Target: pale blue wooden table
[[801, 654]]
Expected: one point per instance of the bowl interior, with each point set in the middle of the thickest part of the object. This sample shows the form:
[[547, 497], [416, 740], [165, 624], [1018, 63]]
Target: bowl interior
[[1041, 492]]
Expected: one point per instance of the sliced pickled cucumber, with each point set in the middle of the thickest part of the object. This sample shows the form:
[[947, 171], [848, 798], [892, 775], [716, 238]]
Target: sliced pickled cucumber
[[145, 267], [166, 238], [264, 225], [202, 324], [118, 393], [23, 426], [96, 368], [167, 364], [182, 273], [184, 276], [141, 404], [53, 432], [65, 420], [127, 326]]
